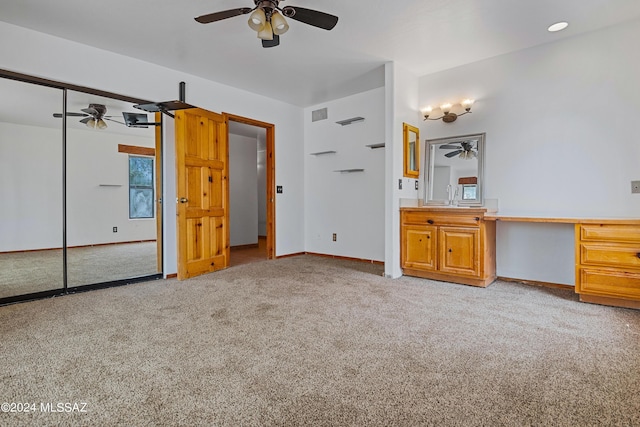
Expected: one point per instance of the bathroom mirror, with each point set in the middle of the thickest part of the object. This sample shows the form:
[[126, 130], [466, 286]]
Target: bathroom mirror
[[411, 136], [455, 170]]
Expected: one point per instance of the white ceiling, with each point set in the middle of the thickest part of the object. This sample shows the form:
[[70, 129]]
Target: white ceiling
[[312, 65]]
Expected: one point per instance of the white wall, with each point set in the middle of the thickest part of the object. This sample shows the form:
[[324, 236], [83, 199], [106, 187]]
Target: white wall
[[560, 121], [30, 187], [262, 185], [57, 59], [348, 204], [32, 179], [243, 190], [401, 106], [93, 209]]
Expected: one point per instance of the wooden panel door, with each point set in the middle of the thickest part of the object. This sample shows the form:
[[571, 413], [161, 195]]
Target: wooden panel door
[[202, 191], [460, 250], [419, 245]]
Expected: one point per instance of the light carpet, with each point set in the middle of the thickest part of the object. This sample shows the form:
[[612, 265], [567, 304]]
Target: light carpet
[[315, 341]]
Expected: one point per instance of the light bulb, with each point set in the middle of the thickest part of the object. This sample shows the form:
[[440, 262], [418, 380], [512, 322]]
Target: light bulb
[[266, 33], [257, 20], [445, 108], [279, 24]]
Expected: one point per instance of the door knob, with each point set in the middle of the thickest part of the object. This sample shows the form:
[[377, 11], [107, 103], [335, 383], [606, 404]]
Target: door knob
[[183, 200]]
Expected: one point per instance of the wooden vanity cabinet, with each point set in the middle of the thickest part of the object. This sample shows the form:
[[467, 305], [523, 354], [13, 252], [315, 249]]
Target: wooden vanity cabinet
[[608, 263], [450, 244]]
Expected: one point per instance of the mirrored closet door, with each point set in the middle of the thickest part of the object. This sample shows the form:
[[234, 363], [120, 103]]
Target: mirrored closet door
[[111, 194], [79, 191], [31, 189]]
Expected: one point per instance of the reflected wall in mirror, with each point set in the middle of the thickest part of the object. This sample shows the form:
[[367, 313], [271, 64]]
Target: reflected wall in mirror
[[31, 172], [455, 170], [411, 137]]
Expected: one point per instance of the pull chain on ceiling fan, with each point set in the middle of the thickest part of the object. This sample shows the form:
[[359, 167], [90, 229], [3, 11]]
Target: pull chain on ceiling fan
[[267, 19]]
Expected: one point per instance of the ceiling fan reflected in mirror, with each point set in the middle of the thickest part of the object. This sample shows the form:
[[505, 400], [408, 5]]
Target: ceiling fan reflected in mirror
[[94, 116], [268, 19], [465, 149]]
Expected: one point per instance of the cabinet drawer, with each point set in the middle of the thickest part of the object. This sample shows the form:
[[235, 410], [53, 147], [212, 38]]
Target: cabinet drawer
[[612, 283], [609, 232], [412, 217], [622, 256]]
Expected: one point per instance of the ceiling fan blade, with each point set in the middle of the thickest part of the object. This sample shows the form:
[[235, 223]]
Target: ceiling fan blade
[[271, 43], [450, 147], [219, 16], [59, 115], [311, 17], [91, 111], [112, 120], [453, 153]]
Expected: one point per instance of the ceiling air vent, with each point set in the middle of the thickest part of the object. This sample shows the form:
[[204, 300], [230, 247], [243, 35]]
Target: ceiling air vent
[[320, 114]]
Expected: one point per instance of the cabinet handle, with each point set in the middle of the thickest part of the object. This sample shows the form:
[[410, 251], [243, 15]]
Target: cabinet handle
[[477, 218], [638, 254], [430, 221], [428, 237], [450, 250]]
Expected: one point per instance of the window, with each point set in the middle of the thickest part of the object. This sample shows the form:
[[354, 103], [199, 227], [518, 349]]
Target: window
[[140, 187]]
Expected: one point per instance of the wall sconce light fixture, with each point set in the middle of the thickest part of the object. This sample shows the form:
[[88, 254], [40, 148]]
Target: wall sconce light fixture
[[447, 115]]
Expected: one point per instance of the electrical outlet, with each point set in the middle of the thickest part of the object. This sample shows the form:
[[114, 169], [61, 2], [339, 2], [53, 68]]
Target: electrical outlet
[[335, 237], [635, 187], [416, 184], [115, 229], [400, 184]]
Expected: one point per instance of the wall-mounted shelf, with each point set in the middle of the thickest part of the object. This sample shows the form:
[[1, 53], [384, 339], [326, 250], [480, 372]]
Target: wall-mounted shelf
[[349, 170], [350, 121], [374, 146], [321, 153], [110, 185]]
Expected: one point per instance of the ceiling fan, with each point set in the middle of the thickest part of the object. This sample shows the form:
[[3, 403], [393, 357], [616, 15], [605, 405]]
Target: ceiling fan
[[267, 19], [94, 116], [464, 150]]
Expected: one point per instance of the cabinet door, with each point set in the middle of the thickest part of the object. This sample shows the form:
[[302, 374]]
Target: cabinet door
[[460, 250], [419, 247]]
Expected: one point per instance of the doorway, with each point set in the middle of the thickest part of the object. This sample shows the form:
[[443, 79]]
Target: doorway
[[252, 189]]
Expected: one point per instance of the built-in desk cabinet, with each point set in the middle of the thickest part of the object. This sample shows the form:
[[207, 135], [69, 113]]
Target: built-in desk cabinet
[[450, 244], [608, 263]]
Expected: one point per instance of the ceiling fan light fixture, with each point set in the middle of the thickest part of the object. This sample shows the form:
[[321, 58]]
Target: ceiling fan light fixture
[[257, 20], [266, 33], [91, 123], [279, 24], [101, 124]]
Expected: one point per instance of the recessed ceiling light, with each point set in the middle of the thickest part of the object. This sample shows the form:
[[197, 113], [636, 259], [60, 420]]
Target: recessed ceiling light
[[558, 26]]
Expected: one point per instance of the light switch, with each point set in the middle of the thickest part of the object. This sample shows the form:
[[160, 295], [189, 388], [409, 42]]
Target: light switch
[[279, 189]]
